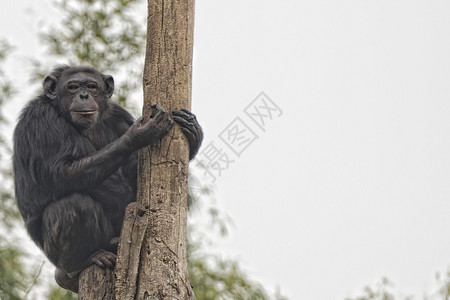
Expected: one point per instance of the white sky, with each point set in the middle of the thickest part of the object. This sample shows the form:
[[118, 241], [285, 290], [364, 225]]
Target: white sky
[[351, 183]]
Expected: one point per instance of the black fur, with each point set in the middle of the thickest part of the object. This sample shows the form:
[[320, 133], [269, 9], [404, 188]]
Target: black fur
[[73, 182]]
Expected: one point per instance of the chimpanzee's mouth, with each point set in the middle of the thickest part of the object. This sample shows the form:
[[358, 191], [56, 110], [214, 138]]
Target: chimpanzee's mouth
[[84, 112]]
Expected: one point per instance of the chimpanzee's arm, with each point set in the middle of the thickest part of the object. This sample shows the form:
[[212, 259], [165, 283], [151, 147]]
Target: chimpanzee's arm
[[130, 170], [92, 170], [97, 167], [89, 171]]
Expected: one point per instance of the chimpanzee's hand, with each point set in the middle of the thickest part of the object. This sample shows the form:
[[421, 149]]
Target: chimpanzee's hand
[[104, 259], [191, 129], [149, 133]]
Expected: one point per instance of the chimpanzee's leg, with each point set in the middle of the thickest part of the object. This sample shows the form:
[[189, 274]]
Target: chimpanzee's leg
[[76, 233]]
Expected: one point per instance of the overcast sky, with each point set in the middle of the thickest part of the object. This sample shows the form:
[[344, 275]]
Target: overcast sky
[[347, 180]]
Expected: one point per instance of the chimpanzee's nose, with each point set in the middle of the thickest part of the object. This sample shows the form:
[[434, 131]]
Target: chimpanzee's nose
[[84, 94]]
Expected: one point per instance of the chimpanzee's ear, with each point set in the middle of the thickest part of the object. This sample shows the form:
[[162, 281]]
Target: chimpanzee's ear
[[109, 82], [50, 83]]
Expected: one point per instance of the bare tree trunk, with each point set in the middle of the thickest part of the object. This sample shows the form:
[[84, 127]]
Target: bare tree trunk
[[96, 284], [131, 239], [163, 169]]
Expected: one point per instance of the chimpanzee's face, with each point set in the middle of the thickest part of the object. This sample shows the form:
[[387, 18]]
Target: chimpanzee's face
[[82, 94]]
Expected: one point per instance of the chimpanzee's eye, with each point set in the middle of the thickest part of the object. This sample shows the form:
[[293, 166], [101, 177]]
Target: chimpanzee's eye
[[73, 87], [92, 87]]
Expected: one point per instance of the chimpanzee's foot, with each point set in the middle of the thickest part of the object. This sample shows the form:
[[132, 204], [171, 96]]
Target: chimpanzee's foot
[[104, 259], [66, 282]]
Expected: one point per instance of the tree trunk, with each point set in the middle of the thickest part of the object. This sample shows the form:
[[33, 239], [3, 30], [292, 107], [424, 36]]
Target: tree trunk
[[163, 168], [128, 255], [96, 284]]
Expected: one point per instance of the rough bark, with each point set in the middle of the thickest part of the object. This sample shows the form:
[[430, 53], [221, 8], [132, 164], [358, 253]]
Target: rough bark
[[96, 283], [163, 168], [128, 255]]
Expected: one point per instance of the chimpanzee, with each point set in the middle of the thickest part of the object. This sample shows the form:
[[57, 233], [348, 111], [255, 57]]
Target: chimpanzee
[[75, 167]]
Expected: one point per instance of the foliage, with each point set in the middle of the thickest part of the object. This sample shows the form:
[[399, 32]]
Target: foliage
[[443, 283], [61, 294], [101, 33], [383, 290], [8, 210], [13, 278], [216, 278], [380, 292], [212, 276]]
